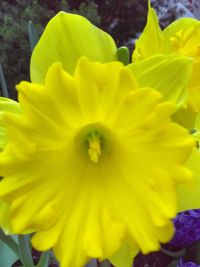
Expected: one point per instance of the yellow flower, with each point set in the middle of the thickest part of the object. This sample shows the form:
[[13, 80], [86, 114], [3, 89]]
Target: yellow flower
[[182, 37], [6, 104], [93, 163], [67, 37], [188, 195], [60, 42]]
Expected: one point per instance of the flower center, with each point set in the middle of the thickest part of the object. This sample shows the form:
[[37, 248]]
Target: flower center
[[94, 140]]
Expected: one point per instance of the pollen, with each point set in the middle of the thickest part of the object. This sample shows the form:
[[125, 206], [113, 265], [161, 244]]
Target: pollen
[[94, 146]]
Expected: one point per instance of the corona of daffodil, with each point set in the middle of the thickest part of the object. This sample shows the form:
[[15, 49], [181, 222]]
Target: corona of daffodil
[[181, 37], [92, 161]]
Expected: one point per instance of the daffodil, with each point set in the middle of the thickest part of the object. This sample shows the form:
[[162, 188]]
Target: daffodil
[[67, 37], [93, 163], [181, 37], [6, 104], [188, 196], [14, 107]]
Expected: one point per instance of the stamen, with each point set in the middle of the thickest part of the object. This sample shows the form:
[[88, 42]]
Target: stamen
[[94, 146]]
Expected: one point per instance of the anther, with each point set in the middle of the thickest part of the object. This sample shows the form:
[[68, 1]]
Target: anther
[[94, 146]]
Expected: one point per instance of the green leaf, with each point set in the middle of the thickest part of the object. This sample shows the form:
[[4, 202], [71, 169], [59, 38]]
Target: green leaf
[[25, 250], [3, 83], [10, 241], [32, 35], [44, 259], [7, 256]]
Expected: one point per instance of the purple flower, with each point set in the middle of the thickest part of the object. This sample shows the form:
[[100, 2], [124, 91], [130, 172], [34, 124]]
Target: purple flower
[[187, 225], [186, 264]]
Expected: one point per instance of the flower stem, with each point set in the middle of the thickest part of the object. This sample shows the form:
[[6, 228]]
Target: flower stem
[[25, 250]]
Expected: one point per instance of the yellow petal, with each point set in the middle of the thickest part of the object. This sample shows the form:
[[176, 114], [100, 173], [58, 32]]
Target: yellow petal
[[103, 95], [4, 217], [105, 229], [185, 118], [182, 23], [124, 257], [66, 38], [6, 105], [193, 103], [189, 196], [170, 75], [71, 238], [195, 79], [39, 240], [151, 41]]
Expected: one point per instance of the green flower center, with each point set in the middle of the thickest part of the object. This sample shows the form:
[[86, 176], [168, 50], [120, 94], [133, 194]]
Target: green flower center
[[94, 140]]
